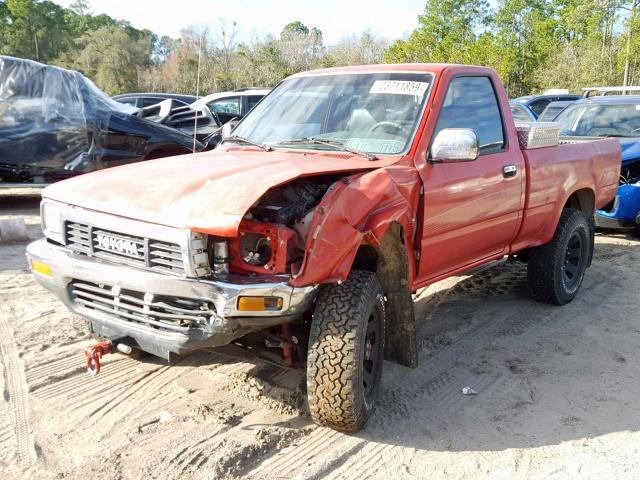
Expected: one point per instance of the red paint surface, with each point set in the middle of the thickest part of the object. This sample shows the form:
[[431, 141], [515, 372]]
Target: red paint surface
[[208, 192]]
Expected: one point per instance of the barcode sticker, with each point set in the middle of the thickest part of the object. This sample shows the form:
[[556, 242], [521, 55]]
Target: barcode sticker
[[399, 87]]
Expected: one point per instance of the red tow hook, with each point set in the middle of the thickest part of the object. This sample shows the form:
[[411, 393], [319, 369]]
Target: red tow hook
[[94, 353], [287, 349]]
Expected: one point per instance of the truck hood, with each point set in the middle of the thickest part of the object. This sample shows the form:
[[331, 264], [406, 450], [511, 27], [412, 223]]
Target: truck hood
[[208, 192]]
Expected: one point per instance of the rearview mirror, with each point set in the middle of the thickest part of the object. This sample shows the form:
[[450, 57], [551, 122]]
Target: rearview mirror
[[453, 145]]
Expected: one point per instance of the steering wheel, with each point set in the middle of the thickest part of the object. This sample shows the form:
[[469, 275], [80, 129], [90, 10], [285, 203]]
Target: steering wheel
[[392, 125]]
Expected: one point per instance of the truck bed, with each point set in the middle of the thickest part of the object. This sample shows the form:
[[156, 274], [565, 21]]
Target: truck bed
[[592, 165]]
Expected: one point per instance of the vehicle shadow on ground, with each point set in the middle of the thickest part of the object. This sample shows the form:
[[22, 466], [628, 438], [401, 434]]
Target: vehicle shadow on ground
[[277, 387], [544, 374]]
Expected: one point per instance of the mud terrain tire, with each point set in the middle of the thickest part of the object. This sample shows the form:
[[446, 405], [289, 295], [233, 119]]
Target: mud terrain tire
[[556, 269], [346, 350]]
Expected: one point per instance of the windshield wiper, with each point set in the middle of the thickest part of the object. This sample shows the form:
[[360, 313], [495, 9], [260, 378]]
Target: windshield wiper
[[330, 143], [236, 138]]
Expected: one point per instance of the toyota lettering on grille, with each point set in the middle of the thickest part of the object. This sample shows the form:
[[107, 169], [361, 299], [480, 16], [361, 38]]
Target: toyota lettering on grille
[[118, 245]]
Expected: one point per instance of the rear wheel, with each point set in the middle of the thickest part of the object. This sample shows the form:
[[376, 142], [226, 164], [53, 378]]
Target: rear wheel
[[556, 270], [346, 352]]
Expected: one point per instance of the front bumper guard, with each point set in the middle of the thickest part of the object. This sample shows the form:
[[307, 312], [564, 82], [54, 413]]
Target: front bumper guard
[[224, 325]]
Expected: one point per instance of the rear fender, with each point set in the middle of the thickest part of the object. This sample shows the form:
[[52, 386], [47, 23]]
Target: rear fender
[[578, 199]]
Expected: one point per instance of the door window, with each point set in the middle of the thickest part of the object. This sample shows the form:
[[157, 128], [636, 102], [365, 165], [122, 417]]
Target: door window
[[128, 101], [471, 103], [252, 100], [226, 106]]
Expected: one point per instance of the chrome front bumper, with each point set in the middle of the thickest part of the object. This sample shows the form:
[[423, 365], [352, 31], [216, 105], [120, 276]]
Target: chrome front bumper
[[226, 324]]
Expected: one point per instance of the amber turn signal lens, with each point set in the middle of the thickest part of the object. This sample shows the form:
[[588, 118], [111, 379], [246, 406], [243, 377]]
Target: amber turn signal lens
[[259, 304], [41, 268]]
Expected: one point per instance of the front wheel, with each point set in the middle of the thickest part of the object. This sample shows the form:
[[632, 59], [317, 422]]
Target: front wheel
[[556, 269], [346, 352]]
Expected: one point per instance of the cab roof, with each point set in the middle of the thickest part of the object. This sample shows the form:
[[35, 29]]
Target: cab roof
[[434, 68]]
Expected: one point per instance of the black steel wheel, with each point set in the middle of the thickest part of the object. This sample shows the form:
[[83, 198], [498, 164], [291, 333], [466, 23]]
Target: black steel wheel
[[575, 257], [373, 354], [556, 270]]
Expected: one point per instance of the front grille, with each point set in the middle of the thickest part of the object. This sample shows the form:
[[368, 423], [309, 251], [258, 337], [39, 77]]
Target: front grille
[[161, 313], [119, 247]]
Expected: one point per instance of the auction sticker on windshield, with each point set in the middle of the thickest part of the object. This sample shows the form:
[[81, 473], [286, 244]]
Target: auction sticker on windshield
[[399, 87]]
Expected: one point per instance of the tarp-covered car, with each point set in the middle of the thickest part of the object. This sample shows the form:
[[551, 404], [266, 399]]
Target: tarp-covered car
[[55, 123]]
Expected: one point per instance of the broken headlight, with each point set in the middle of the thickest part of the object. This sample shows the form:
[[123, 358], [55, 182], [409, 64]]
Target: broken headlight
[[261, 247], [255, 249]]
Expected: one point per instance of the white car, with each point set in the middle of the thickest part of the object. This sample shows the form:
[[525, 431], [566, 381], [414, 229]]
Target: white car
[[235, 104]]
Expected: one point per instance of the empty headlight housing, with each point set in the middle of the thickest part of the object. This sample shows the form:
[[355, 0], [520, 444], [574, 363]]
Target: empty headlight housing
[[255, 249], [261, 248]]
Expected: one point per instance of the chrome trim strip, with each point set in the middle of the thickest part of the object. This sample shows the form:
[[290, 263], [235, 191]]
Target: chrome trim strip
[[223, 294]]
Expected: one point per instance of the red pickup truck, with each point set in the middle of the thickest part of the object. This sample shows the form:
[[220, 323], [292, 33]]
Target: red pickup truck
[[303, 235]]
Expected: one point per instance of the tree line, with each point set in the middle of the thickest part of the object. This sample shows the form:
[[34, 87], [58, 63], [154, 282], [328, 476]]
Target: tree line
[[532, 44]]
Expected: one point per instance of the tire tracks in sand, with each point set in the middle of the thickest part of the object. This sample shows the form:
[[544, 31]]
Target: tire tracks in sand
[[15, 399]]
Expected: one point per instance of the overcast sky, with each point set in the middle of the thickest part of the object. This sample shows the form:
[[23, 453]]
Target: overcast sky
[[336, 18]]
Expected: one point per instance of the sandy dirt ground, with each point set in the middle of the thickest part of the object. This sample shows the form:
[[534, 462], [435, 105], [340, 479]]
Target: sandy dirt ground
[[558, 390]]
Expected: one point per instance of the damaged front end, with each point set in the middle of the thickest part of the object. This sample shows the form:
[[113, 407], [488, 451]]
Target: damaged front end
[[162, 289], [168, 290]]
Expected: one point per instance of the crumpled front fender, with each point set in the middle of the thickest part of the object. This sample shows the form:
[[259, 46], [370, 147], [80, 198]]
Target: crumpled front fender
[[358, 211]]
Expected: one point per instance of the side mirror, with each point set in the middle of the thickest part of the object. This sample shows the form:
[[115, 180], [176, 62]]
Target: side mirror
[[453, 145]]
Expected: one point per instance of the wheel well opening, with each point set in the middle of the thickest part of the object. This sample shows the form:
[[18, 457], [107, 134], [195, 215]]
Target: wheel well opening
[[391, 264], [366, 259], [582, 199]]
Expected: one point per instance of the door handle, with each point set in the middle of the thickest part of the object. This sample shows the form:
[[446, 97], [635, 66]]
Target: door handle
[[509, 171]]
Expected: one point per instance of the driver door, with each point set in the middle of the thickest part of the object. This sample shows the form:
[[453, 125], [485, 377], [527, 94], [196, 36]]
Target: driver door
[[471, 209]]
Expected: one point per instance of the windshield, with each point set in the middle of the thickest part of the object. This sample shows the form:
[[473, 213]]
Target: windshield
[[610, 120], [368, 112]]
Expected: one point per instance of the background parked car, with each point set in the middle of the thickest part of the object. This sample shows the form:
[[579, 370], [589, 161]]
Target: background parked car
[[142, 100], [553, 110], [55, 123], [235, 104], [537, 103], [521, 113], [611, 116], [195, 119]]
